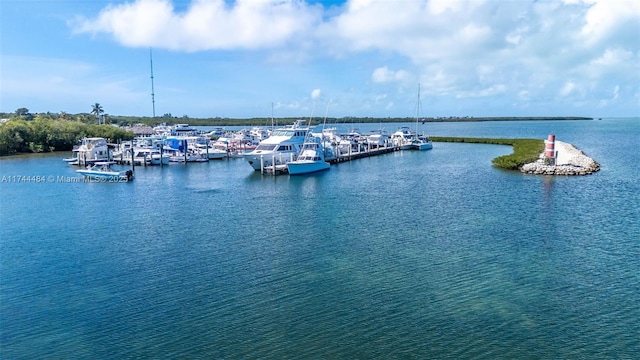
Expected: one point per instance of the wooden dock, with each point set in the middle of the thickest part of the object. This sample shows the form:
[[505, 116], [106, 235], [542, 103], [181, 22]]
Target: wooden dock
[[363, 154], [275, 170], [351, 155]]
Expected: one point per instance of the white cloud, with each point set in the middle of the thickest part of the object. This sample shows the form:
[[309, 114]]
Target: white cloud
[[381, 97], [605, 16], [383, 75], [315, 94], [521, 50], [416, 29], [293, 105], [616, 92], [484, 92], [612, 99], [205, 25], [513, 39], [568, 88], [437, 7], [613, 57]]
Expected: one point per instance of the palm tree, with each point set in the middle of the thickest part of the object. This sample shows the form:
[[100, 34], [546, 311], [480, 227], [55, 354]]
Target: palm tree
[[97, 110]]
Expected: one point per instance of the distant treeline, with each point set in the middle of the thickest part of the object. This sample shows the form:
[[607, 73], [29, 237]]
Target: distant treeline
[[150, 121], [219, 121]]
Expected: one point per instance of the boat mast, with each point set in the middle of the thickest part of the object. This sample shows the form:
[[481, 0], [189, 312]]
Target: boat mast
[[418, 110], [326, 112], [153, 99]]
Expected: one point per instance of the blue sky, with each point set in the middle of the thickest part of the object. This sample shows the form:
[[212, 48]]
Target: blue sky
[[240, 59]]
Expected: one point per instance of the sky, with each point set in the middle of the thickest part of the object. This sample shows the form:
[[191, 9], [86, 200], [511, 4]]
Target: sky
[[295, 58]]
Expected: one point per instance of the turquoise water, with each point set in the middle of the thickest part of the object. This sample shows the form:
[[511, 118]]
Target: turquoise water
[[408, 255]]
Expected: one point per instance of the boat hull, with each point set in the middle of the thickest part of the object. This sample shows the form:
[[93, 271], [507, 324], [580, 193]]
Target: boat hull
[[107, 175], [258, 161], [306, 167], [423, 146], [160, 160], [216, 155]]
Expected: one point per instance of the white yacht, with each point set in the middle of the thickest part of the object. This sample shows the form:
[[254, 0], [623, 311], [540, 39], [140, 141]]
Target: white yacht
[[210, 151], [377, 138], [281, 147], [183, 130], [217, 132], [203, 146], [407, 139], [91, 150], [403, 138]]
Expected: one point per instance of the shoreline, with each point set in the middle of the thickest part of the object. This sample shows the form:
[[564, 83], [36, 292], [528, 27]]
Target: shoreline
[[570, 161]]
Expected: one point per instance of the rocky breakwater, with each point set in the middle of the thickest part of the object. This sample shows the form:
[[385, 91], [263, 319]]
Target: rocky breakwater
[[570, 161]]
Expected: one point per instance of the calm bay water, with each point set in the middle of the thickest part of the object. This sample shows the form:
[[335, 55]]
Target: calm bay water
[[408, 255]]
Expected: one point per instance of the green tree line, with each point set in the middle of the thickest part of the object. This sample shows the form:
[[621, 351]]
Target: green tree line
[[42, 134]]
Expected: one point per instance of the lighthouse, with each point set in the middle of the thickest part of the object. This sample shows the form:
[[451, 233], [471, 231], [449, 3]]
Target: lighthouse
[[550, 149]]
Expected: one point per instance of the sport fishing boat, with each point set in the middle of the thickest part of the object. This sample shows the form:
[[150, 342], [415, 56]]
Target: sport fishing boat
[[310, 160], [280, 148]]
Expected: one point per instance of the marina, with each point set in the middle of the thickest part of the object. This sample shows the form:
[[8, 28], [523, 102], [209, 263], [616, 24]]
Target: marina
[[266, 151]]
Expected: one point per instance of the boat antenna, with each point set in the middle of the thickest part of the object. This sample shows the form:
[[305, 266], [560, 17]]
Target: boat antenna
[[153, 99], [272, 115], [312, 111]]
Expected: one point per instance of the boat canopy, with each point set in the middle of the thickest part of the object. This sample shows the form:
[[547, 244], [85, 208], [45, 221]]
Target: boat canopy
[[175, 143]]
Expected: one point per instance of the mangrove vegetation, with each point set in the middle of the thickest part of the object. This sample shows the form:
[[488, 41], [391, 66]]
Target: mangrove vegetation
[[524, 150], [43, 135]]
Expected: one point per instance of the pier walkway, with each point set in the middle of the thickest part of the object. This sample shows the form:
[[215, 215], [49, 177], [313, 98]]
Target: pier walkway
[[351, 155]]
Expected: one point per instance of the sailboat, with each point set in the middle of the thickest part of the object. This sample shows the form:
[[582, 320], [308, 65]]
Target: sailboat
[[420, 142]]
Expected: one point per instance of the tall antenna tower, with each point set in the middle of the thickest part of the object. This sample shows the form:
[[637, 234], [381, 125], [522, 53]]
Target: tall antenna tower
[[153, 98]]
